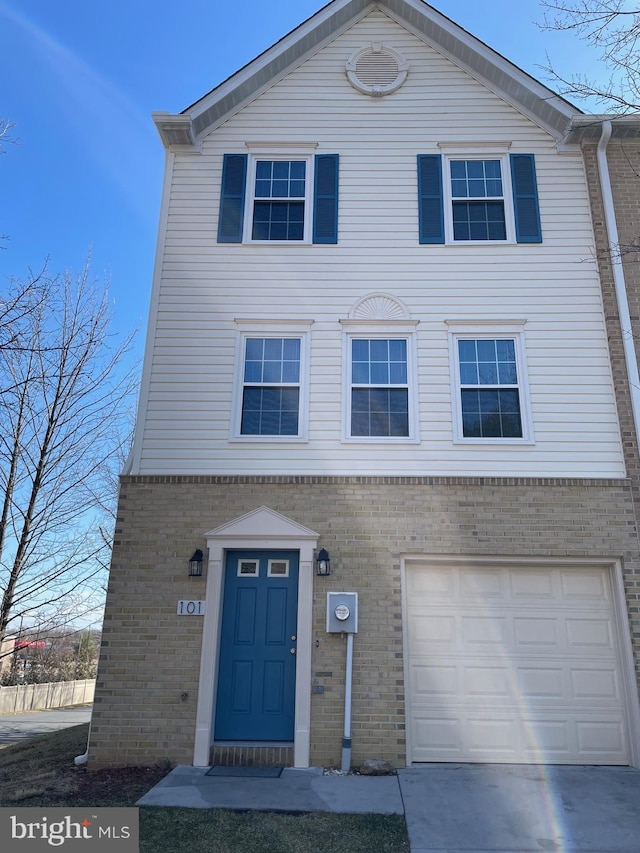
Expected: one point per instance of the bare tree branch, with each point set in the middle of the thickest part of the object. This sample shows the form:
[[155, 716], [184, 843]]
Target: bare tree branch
[[65, 421], [613, 30]]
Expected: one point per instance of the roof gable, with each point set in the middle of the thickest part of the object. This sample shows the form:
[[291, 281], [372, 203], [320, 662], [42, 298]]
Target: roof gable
[[547, 109]]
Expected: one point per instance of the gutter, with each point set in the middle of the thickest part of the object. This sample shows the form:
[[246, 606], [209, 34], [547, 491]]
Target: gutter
[[618, 277]]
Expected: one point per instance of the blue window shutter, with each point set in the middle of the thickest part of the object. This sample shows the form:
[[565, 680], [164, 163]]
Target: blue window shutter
[[430, 204], [325, 199], [525, 198], [234, 179]]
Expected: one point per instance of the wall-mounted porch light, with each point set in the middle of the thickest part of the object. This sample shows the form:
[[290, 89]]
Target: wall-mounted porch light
[[323, 564], [195, 564]]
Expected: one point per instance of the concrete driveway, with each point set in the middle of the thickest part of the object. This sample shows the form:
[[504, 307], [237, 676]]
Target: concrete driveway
[[490, 808], [449, 808], [15, 728]]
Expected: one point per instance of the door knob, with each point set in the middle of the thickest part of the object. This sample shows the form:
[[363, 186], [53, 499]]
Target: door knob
[[292, 651]]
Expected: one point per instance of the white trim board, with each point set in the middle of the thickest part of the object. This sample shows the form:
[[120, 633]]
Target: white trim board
[[262, 529]]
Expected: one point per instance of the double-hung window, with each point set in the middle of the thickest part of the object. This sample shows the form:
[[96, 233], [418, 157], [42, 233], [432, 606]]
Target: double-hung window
[[280, 200], [489, 387], [271, 387], [480, 195], [277, 196], [477, 200], [379, 386]]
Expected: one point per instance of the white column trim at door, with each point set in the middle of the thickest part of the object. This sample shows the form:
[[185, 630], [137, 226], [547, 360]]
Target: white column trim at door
[[209, 656], [219, 541]]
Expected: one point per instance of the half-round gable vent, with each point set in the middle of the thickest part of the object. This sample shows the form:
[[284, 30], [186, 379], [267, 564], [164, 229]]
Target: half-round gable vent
[[377, 70], [379, 306]]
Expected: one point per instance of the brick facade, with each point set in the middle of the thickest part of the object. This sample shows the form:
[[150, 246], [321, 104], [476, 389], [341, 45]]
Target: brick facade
[[149, 667], [624, 170]]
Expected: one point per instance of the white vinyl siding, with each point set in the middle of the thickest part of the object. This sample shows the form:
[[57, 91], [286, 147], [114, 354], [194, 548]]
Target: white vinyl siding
[[205, 286]]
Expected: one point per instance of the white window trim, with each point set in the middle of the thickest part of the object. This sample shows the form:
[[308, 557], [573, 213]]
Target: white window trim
[[254, 574], [302, 153], [271, 574], [271, 329], [384, 330], [496, 151], [490, 330]]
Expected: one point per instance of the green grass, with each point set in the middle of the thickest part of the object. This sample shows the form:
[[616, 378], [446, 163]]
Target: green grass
[[220, 831], [40, 772]]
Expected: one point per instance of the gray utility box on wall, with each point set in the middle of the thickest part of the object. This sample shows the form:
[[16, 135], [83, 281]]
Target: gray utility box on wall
[[342, 612]]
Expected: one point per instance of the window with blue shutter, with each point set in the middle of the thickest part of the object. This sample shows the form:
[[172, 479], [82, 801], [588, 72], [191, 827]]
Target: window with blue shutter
[[279, 199], [325, 202], [525, 198], [466, 199], [234, 178], [430, 199]]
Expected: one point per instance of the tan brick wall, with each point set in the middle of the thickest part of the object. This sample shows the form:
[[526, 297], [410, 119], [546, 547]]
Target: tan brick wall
[[624, 171], [150, 657]]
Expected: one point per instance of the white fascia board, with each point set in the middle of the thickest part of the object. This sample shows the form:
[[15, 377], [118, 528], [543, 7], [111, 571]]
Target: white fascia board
[[540, 104], [524, 93], [176, 131], [277, 61], [588, 128]]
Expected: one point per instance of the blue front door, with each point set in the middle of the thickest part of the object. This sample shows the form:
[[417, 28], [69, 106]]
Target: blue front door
[[257, 667]]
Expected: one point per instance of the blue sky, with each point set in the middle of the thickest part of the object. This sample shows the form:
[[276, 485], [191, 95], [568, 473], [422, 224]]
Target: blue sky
[[80, 79]]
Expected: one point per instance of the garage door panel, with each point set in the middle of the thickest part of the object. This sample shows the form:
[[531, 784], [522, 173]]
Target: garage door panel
[[435, 584], [428, 628], [441, 735], [497, 737], [429, 681], [584, 587], [596, 684], [516, 666], [487, 683], [533, 586], [600, 738], [592, 634], [490, 584], [536, 632], [484, 630], [541, 683]]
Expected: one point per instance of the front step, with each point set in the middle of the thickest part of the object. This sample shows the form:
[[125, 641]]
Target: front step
[[251, 755]]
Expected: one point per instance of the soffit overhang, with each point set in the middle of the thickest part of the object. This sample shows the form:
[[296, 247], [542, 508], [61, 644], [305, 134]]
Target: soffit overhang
[[544, 107], [587, 129]]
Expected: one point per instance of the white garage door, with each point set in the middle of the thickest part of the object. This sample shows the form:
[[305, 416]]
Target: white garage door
[[513, 664]]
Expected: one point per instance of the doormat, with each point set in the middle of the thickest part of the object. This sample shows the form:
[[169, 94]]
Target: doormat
[[246, 772]]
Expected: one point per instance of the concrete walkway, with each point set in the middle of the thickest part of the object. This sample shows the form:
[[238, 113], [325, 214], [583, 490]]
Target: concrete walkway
[[293, 791], [15, 728], [449, 808]]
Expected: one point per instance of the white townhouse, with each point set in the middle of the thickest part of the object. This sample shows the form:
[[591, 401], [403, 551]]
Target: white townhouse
[[376, 337]]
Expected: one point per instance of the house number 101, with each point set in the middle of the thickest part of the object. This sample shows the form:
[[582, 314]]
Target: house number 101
[[191, 608]]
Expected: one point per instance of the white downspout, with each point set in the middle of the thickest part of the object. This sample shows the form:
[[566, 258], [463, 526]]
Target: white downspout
[[618, 276], [346, 740]]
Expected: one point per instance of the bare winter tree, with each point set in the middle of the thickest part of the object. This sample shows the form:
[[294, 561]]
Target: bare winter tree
[[65, 419], [613, 29]]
